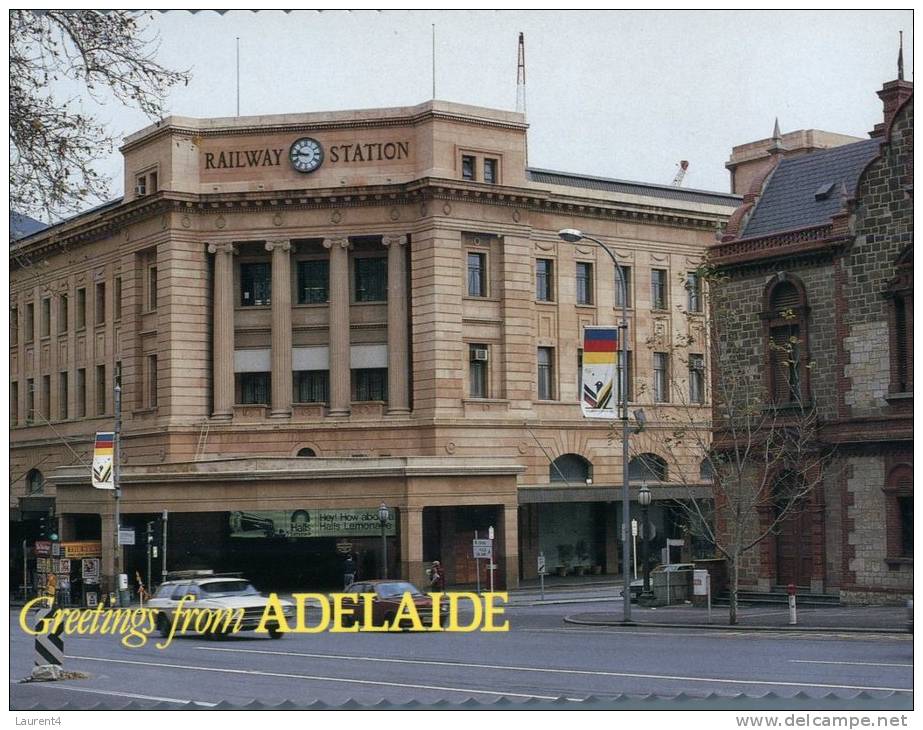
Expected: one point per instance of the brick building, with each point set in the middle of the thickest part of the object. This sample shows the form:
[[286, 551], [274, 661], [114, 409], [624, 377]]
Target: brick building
[[825, 233], [312, 314]]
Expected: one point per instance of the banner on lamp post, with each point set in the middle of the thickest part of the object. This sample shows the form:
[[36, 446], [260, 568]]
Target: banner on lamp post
[[599, 379], [102, 460]]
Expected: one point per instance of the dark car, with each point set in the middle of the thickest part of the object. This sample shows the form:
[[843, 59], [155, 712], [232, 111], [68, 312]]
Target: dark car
[[637, 585], [388, 597]]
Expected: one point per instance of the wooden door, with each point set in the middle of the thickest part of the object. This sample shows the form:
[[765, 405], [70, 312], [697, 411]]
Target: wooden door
[[795, 548]]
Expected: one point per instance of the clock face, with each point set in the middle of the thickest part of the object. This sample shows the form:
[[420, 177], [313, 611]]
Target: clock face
[[306, 154]]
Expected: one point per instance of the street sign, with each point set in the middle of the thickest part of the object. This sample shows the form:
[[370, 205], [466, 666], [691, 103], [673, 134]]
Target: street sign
[[481, 543], [541, 562], [126, 537], [700, 582], [483, 551]]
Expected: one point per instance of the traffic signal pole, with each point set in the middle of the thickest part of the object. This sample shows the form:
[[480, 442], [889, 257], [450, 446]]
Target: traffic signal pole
[[116, 469]]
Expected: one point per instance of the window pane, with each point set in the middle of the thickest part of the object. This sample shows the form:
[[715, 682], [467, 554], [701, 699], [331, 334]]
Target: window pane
[[152, 288], [477, 284], [467, 167], [545, 373], [543, 280], [629, 375], [490, 170], [584, 283], [661, 376], [370, 384], [256, 284], [311, 386], [371, 279], [101, 303], [81, 308], [477, 370], [905, 505], [254, 388], [694, 290], [62, 313], [30, 322], [623, 292], [313, 281], [101, 390], [658, 288], [46, 317], [696, 378], [62, 396]]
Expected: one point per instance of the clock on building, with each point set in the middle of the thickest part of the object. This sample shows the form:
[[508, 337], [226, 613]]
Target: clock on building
[[306, 154]]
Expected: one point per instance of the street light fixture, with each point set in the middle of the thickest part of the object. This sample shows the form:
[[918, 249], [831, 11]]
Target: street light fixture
[[572, 235], [383, 516], [644, 499]]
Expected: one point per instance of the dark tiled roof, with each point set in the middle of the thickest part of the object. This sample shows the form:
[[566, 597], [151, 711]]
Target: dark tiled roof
[[671, 192], [789, 201], [22, 226], [44, 226]]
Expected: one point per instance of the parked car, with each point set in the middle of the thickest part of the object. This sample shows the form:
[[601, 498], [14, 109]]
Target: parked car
[[217, 592], [388, 597], [637, 586]]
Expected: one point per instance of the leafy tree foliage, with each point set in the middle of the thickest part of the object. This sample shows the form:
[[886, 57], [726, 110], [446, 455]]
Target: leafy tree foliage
[[53, 142]]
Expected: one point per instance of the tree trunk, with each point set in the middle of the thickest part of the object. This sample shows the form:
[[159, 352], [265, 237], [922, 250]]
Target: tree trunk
[[734, 582]]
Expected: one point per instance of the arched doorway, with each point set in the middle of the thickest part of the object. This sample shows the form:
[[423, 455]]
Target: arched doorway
[[795, 534]]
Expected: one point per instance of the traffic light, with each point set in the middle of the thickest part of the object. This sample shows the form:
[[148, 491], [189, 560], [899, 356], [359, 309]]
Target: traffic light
[[48, 528]]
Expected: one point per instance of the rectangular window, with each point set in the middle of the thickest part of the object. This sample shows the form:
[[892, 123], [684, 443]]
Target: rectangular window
[[467, 167], [256, 284], [658, 289], [696, 378], [101, 390], [81, 309], [477, 274], [62, 313], [903, 338], [785, 355], [370, 384], [584, 282], [141, 185], [14, 327], [490, 170], [694, 291], [152, 381], [544, 280], [311, 386], [101, 303], [546, 373], [152, 288], [30, 401], [371, 279], [46, 397], [661, 377], [313, 281], [580, 375], [14, 403], [477, 370], [62, 396], [905, 505], [254, 388], [623, 291], [152, 183], [30, 322], [117, 299], [629, 374], [46, 317], [81, 393]]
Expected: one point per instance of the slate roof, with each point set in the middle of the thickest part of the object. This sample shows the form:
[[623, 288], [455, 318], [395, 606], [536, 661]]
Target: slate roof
[[670, 192], [788, 200], [22, 226]]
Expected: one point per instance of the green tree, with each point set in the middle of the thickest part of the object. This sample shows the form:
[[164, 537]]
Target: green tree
[[53, 142]]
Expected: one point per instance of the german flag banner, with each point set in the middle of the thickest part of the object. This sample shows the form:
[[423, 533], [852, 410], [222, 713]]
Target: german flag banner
[[600, 349], [102, 460]]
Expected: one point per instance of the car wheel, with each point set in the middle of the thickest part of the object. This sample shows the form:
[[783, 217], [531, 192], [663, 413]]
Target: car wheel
[[274, 633], [163, 625]]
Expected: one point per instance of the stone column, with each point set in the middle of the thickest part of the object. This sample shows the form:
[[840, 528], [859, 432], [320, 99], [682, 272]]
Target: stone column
[[281, 328], [510, 547], [398, 364], [338, 338], [412, 545], [108, 565], [223, 331]]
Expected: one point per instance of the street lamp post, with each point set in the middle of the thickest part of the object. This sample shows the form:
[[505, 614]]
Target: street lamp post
[[383, 515], [644, 498], [572, 235]]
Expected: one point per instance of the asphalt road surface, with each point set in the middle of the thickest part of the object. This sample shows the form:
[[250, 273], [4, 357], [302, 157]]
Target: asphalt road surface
[[539, 658]]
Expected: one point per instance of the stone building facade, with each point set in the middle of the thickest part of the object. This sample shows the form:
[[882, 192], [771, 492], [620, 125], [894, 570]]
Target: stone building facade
[[313, 314], [827, 235]]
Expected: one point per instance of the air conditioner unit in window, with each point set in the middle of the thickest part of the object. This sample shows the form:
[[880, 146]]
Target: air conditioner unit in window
[[479, 354], [139, 190]]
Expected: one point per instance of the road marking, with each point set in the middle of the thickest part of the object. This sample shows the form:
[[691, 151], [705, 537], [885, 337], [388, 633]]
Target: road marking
[[128, 694], [583, 672], [252, 672], [727, 634], [858, 664]]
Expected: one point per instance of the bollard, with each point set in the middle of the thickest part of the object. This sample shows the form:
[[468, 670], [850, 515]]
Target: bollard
[[792, 611], [49, 647]]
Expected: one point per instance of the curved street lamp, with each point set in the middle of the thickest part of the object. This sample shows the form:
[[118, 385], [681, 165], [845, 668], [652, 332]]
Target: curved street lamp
[[383, 516], [572, 235]]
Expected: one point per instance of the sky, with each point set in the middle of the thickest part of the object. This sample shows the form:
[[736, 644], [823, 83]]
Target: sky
[[623, 94]]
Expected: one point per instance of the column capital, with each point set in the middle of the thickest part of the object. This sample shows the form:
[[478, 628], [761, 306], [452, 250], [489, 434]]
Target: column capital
[[342, 242], [283, 244], [394, 239], [222, 248]]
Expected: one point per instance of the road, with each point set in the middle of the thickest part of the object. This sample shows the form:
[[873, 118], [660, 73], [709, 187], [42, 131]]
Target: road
[[540, 658]]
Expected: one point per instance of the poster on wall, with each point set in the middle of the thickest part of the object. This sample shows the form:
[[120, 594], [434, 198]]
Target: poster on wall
[[89, 570], [310, 523]]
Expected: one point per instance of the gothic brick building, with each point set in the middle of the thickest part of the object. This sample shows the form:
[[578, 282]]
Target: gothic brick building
[[827, 236]]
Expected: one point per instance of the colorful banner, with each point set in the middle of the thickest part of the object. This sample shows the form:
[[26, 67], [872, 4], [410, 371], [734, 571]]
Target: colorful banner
[[600, 349], [310, 523], [83, 549], [102, 460]]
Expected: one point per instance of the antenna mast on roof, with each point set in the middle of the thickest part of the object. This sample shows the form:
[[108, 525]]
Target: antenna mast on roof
[[900, 58], [238, 75], [521, 75], [434, 61], [681, 173]]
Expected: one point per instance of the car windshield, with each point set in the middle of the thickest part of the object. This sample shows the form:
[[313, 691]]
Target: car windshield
[[396, 589], [229, 588]]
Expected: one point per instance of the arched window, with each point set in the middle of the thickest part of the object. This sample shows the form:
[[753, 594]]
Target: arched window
[[306, 452], [898, 491], [647, 468], [786, 313], [706, 471], [35, 482], [900, 313], [571, 468]]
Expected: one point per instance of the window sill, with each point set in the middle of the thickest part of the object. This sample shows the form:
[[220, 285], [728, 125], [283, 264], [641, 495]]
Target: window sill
[[545, 301], [898, 397], [473, 298], [144, 411], [309, 305], [585, 305], [899, 561], [475, 400], [376, 301]]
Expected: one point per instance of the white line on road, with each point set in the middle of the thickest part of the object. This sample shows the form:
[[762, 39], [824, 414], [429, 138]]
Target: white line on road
[[128, 694], [858, 664], [590, 672], [221, 670], [726, 634]]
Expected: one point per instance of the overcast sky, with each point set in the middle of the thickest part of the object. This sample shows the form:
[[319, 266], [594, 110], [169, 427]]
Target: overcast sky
[[610, 93]]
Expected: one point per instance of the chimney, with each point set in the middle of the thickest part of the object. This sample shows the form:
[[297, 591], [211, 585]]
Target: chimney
[[893, 94]]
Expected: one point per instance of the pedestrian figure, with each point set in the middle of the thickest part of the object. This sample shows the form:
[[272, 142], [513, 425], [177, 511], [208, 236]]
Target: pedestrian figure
[[436, 577], [349, 572]]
